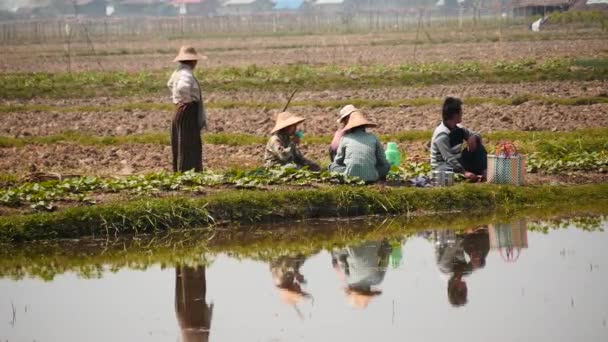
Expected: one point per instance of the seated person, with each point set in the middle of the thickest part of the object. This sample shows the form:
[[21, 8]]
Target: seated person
[[342, 120], [282, 149], [447, 152], [360, 154]]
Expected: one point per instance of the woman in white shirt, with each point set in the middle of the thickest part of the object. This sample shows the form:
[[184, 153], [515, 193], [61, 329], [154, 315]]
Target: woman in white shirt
[[190, 117]]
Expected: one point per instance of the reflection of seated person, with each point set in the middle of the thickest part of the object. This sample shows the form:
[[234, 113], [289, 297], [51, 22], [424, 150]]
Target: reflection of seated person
[[362, 267], [193, 313], [450, 249], [288, 279]]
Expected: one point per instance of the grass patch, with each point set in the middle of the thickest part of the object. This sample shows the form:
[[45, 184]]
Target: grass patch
[[594, 139], [154, 215], [357, 102], [87, 84]]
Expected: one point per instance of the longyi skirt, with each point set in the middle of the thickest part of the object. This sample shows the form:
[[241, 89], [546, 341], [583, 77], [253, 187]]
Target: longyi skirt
[[186, 141]]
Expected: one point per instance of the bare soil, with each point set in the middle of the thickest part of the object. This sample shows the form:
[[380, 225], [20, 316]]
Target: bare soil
[[142, 158], [321, 121], [272, 51]]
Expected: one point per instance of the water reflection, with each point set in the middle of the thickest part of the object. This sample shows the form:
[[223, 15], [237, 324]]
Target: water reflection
[[509, 239], [362, 267], [451, 251], [377, 283], [288, 280], [193, 313]]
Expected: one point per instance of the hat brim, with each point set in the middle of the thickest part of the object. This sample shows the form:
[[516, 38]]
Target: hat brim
[[345, 115], [189, 57], [286, 123], [359, 124]]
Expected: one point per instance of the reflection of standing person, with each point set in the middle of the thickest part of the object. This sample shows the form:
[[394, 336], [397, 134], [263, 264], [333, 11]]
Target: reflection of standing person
[[362, 267], [190, 115], [450, 249], [193, 313]]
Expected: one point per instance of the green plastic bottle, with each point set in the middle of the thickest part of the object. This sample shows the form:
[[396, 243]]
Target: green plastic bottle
[[392, 154]]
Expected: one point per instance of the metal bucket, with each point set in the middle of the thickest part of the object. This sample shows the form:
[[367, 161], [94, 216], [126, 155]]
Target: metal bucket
[[442, 178]]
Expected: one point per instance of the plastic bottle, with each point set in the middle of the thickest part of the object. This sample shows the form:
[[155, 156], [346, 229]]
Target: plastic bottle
[[392, 154]]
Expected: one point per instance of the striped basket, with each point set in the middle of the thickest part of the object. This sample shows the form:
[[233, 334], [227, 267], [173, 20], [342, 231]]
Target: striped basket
[[506, 170], [506, 166]]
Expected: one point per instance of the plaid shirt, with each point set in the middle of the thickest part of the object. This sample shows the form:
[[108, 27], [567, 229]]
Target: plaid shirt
[[360, 154], [280, 150]]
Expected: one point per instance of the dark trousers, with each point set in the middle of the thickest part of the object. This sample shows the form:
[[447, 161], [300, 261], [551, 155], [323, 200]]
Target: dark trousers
[[186, 141], [475, 161]]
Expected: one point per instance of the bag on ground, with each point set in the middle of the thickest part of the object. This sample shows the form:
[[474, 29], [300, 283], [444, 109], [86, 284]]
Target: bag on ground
[[506, 166]]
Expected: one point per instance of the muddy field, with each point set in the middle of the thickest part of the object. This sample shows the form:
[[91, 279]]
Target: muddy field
[[70, 159], [529, 116], [487, 117], [269, 52], [388, 49]]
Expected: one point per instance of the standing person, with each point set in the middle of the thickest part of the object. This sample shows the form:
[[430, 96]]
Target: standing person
[[190, 117], [282, 147], [360, 154], [344, 115], [447, 153]]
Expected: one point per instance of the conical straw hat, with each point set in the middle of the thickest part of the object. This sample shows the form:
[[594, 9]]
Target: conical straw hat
[[188, 53], [346, 111], [357, 120], [286, 119]]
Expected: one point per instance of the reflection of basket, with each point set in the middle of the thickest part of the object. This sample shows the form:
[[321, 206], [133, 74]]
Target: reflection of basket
[[509, 239]]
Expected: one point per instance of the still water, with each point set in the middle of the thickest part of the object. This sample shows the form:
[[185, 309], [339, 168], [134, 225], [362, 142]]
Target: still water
[[498, 282]]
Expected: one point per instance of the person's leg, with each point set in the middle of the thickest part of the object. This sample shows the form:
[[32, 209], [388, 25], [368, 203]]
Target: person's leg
[[175, 140], [191, 144], [475, 161]]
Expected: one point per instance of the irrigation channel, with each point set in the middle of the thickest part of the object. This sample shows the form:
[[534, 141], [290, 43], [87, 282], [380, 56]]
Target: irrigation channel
[[512, 276]]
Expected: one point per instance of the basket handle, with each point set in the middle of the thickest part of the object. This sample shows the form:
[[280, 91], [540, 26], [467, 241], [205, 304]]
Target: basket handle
[[507, 148]]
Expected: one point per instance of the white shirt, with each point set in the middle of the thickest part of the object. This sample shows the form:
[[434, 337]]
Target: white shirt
[[184, 87]]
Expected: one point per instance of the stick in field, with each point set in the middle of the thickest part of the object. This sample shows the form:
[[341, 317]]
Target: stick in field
[[289, 100]]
